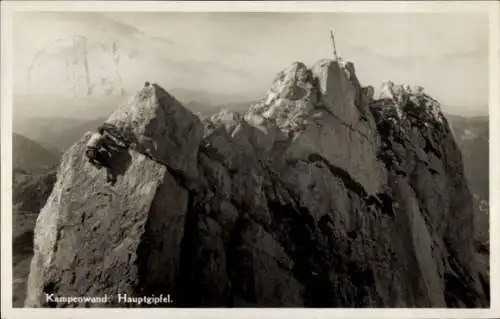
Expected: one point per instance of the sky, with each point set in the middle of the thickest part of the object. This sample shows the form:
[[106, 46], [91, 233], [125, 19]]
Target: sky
[[240, 53]]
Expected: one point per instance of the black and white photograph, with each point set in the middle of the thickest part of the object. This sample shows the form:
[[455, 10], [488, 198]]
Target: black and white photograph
[[248, 159]]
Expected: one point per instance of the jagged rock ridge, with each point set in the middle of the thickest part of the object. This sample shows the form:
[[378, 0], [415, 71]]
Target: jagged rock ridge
[[319, 195]]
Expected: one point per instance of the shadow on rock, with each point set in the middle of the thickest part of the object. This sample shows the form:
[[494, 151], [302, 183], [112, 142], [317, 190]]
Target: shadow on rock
[[120, 160]]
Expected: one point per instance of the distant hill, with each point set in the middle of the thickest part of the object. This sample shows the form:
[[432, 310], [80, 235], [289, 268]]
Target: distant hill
[[208, 109], [472, 136], [57, 133], [32, 107], [30, 156]]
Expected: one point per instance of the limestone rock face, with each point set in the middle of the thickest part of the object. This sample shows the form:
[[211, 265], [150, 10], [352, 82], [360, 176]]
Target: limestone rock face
[[324, 111], [160, 127], [319, 196], [424, 161], [93, 238]]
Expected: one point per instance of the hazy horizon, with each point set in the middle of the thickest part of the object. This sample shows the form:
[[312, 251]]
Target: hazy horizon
[[239, 54]]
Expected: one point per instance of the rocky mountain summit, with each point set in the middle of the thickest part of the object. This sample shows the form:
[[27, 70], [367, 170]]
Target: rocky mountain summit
[[319, 195]]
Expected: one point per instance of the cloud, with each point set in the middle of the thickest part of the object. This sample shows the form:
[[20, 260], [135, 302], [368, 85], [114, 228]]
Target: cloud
[[477, 53], [153, 41], [128, 30]]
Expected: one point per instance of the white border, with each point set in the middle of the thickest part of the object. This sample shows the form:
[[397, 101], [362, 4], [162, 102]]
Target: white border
[[6, 161], [8, 7], [257, 6], [494, 104]]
